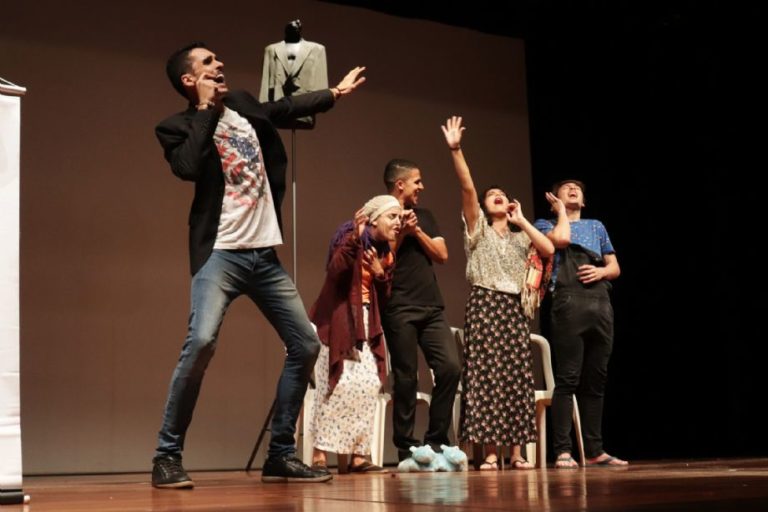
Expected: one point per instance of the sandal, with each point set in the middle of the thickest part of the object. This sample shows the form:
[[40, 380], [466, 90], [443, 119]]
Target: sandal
[[319, 466], [565, 461], [522, 464], [490, 464], [608, 461], [367, 467]]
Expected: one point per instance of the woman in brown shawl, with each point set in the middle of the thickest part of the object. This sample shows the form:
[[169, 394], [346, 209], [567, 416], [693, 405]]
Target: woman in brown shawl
[[352, 363]]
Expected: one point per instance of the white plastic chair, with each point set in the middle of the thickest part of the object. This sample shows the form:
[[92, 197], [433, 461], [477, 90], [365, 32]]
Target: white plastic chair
[[537, 452], [380, 417], [458, 336]]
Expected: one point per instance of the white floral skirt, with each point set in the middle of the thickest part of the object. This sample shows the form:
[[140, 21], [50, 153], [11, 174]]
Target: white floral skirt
[[343, 422]]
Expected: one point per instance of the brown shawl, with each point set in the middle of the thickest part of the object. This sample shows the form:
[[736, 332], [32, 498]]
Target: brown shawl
[[338, 310]]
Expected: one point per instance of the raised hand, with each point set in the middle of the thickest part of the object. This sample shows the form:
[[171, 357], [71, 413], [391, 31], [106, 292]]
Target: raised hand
[[453, 132], [557, 206], [351, 81], [361, 220], [515, 213]]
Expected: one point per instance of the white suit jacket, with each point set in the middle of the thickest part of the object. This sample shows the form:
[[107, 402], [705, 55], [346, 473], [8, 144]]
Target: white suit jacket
[[309, 72]]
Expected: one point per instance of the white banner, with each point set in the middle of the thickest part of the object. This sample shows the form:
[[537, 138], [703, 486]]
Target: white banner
[[10, 413]]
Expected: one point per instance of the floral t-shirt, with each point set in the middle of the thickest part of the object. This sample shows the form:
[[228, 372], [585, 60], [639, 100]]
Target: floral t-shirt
[[494, 261]]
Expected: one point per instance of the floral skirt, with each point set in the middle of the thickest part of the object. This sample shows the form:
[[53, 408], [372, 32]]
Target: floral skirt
[[343, 422], [498, 405]]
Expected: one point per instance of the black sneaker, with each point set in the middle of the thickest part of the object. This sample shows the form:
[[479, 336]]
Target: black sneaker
[[287, 468], [168, 473]]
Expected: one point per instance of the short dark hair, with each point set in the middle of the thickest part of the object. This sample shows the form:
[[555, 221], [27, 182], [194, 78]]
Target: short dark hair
[[178, 64], [556, 186], [396, 169]]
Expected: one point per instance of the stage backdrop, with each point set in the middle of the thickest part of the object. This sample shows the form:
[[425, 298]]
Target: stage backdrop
[[10, 428], [104, 266]]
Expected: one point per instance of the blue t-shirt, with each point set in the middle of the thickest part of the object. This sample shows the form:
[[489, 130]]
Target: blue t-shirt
[[588, 234]]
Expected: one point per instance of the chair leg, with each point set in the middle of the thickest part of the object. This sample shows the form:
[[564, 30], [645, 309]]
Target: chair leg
[[478, 455], [530, 453], [343, 461], [539, 459], [375, 438], [379, 427], [456, 417], [305, 419], [577, 429]]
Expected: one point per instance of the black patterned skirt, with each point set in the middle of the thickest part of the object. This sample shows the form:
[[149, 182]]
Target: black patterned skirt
[[498, 405]]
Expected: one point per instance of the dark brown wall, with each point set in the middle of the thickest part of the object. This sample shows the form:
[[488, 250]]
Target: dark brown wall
[[104, 284]]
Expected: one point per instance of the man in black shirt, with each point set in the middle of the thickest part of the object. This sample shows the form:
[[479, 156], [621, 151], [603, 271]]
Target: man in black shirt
[[414, 316]]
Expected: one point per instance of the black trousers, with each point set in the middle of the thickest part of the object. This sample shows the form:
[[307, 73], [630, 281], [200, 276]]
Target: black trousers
[[582, 340], [406, 328]]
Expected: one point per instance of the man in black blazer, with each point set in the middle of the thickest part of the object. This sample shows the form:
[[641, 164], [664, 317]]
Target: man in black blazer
[[227, 144]]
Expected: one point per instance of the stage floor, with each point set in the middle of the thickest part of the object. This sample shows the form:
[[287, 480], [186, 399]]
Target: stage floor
[[713, 485]]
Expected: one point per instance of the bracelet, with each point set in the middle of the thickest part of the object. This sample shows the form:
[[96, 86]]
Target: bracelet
[[208, 104], [457, 148]]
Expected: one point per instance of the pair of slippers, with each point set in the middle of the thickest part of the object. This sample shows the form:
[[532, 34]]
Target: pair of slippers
[[493, 464], [567, 462], [367, 467], [364, 467]]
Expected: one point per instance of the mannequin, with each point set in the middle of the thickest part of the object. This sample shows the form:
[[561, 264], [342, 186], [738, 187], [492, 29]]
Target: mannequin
[[293, 31], [292, 41], [293, 66]]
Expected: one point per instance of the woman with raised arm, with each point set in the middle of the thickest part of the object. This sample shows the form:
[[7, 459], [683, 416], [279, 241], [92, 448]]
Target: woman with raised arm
[[498, 406]]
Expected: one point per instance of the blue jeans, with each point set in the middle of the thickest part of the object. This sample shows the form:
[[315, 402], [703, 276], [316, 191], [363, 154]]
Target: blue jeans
[[224, 277]]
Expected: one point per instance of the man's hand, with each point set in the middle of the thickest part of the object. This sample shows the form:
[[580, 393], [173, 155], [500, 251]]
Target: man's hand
[[408, 223], [209, 90], [557, 206], [590, 273], [349, 83]]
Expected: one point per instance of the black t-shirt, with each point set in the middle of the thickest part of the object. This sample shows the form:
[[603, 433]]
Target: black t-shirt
[[414, 282]]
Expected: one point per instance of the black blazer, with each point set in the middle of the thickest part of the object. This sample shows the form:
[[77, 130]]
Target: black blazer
[[187, 139]]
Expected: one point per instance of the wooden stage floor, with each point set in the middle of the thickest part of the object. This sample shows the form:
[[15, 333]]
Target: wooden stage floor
[[714, 485]]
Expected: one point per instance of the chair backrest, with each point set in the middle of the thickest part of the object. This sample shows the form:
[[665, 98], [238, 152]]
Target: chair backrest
[[542, 357], [458, 337]]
